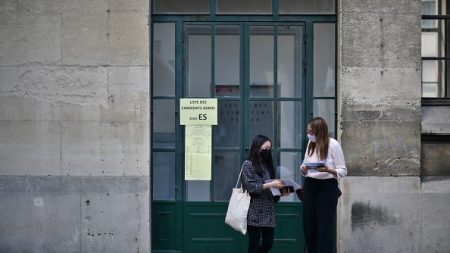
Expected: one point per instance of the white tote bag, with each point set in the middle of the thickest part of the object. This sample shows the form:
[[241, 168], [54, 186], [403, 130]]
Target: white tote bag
[[238, 208]]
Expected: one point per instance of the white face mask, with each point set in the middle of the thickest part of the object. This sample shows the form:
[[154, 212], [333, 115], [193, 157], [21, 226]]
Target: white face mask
[[311, 137]]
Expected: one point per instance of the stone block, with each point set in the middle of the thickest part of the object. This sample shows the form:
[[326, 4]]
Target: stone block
[[105, 148], [27, 108], [8, 5], [85, 39], [63, 6], [106, 221], [376, 214], [435, 220], [9, 80], [369, 112], [380, 185], [30, 148], [382, 6], [39, 214], [129, 5], [29, 39], [129, 35], [380, 40], [381, 148], [74, 214], [436, 120], [128, 98], [381, 87], [53, 93]]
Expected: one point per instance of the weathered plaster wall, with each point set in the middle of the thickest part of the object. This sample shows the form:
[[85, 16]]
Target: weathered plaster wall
[[380, 86], [74, 126], [394, 214], [380, 214], [387, 204]]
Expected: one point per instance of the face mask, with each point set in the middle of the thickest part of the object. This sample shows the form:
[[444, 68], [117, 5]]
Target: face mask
[[311, 137], [265, 154]]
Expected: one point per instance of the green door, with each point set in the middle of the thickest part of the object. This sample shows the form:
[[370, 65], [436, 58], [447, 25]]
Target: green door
[[257, 72]]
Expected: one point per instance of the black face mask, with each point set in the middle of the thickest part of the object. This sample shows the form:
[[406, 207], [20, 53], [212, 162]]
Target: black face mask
[[265, 154]]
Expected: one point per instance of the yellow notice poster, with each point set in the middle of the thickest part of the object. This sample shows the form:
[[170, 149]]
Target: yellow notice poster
[[198, 111], [197, 155]]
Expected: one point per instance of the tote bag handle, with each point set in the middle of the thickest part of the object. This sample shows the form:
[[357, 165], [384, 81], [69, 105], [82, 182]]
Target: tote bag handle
[[239, 177]]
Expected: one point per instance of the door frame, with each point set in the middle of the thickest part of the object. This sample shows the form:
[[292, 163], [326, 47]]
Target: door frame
[[176, 210]]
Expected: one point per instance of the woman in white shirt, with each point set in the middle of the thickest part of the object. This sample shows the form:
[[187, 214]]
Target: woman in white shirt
[[320, 188]]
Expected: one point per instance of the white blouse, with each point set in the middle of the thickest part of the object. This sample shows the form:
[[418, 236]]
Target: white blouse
[[335, 160]]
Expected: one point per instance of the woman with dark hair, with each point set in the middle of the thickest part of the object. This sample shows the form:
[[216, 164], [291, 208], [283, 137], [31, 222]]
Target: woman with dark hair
[[258, 176], [320, 189]]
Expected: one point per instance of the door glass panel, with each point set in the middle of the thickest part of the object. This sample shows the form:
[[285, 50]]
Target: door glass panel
[[325, 108], [290, 124], [261, 61], [163, 176], [198, 61], [227, 131], [307, 6], [244, 7], [197, 190], [261, 120], [226, 172], [163, 123], [164, 59], [289, 169], [324, 60], [227, 61], [180, 6], [290, 63]]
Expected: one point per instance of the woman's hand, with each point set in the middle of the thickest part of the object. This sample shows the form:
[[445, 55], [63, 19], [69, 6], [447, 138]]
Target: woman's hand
[[276, 184], [326, 169], [322, 169], [285, 191], [304, 169]]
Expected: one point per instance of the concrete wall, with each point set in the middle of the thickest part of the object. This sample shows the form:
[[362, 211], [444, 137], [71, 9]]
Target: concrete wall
[[386, 205], [74, 126]]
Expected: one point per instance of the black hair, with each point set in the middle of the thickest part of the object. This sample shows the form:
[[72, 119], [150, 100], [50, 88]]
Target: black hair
[[254, 155]]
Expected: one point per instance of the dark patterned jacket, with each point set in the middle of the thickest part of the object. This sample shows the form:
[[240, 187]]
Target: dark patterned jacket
[[261, 212]]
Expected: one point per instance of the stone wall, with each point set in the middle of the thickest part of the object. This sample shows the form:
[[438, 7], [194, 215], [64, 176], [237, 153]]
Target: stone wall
[[387, 204], [74, 126]]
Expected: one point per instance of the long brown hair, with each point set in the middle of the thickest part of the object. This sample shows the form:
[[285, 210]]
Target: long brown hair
[[320, 129]]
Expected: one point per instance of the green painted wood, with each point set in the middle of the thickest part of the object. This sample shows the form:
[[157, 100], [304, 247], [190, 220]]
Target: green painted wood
[[289, 230], [205, 230], [201, 228], [166, 232]]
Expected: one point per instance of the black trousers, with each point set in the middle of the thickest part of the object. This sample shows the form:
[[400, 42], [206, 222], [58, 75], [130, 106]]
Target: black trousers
[[319, 214], [254, 238]]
